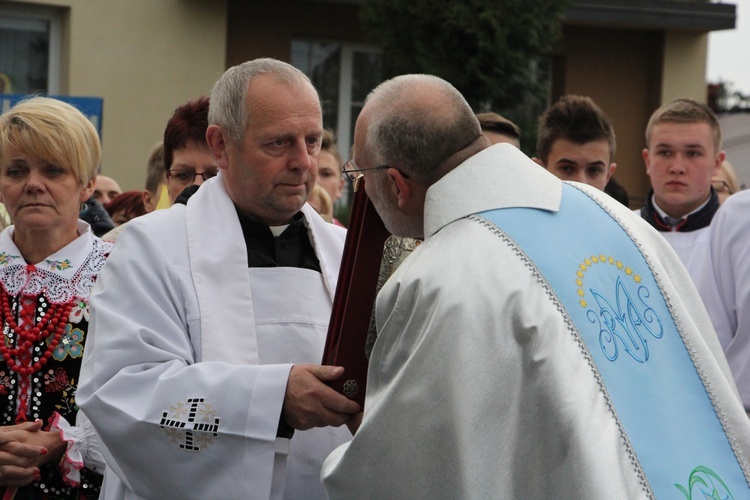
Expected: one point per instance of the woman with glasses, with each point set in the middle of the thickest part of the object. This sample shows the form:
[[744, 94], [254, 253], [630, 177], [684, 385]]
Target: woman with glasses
[[186, 155]]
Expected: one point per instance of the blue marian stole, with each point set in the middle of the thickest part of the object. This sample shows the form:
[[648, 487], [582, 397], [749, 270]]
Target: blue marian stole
[[609, 291]]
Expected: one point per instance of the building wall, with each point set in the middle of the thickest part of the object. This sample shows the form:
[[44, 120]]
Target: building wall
[[266, 28], [621, 71], [630, 73], [144, 58], [685, 64]]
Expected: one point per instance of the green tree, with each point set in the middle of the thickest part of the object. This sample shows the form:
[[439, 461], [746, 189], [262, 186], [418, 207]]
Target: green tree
[[493, 51]]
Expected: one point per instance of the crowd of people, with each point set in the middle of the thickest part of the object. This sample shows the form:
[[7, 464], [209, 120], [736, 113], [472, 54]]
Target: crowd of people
[[537, 338]]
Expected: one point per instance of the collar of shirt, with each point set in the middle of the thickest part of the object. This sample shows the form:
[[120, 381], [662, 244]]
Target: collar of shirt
[[697, 219], [673, 221], [290, 248]]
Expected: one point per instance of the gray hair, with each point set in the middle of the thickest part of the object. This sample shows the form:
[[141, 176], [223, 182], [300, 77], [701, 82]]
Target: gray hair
[[421, 121], [228, 107]]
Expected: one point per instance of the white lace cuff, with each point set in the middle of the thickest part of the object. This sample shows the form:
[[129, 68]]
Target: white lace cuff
[[72, 461]]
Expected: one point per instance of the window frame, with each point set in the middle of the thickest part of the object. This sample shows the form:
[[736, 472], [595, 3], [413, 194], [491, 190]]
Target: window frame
[[53, 17]]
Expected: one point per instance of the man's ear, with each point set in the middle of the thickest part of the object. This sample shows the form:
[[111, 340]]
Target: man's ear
[[719, 160], [402, 189], [538, 161], [217, 143], [647, 161], [612, 168], [148, 201]]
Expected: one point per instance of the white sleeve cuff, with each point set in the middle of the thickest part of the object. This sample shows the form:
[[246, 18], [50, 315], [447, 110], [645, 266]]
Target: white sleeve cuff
[[72, 461]]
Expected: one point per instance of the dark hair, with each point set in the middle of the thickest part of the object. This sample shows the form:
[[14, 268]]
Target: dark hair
[[130, 202], [617, 191], [492, 122], [577, 119], [188, 124]]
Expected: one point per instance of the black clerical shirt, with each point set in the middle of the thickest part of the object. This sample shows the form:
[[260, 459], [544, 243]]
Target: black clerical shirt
[[292, 248]]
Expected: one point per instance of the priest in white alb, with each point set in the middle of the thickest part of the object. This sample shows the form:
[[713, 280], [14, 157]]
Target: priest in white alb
[[542, 342], [201, 374]]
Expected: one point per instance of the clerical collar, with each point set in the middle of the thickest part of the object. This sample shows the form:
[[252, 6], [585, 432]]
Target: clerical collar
[[277, 230], [697, 219], [289, 248]]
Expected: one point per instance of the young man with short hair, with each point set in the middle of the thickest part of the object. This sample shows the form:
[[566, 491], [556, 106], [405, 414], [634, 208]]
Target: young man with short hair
[[682, 154], [577, 142]]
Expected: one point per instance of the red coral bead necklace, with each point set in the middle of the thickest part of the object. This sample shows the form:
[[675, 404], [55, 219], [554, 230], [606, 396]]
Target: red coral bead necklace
[[20, 358]]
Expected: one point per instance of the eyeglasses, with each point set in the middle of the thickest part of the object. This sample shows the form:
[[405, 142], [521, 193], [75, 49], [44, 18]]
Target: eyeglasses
[[354, 173], [188, 176], [350, 168], [721, 186]]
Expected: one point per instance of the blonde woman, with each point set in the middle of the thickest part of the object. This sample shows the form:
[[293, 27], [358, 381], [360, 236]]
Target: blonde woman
[[49, 260]]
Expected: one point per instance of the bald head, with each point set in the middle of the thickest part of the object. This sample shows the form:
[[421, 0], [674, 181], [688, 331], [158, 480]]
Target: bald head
[[106, 189], [422, 124]]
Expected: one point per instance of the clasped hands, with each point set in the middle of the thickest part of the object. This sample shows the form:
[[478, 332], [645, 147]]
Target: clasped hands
[[309, 402], [23, 448]]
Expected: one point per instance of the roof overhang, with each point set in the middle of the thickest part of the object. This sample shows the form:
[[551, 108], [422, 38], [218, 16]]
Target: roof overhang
[[653, 14]]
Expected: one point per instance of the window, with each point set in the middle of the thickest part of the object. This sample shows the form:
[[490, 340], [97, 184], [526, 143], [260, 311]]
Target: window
[[343, 73], [29, 50]]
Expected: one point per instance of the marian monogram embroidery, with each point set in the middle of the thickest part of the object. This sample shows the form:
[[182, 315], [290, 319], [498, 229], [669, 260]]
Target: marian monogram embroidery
[[625, 320], [192, 425]]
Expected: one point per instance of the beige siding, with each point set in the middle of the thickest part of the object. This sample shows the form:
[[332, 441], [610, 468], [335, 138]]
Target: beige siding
[[621, 71], [144, 58], [685, 60]]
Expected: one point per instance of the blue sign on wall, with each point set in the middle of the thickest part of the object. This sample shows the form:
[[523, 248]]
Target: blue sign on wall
[[89, 106]]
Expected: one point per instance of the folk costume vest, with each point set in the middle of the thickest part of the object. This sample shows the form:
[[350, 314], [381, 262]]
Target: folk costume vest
[[45, 323]]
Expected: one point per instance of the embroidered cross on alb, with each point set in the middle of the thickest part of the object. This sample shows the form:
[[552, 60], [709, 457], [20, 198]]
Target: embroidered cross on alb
[[189, 424]]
